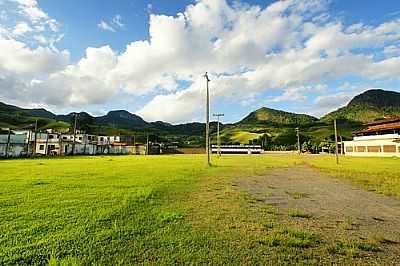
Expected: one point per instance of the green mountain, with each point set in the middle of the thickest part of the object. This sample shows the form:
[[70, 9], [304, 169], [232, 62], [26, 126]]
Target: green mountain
[[16, 117], [122, 119], [369, 106], [274, 129], [40, 112], [271, 116]]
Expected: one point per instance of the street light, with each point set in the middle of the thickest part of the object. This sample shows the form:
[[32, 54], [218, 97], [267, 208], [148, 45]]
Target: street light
[[298, 140], [218, 138]]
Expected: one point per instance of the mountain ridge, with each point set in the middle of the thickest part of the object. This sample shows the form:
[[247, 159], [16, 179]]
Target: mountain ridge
[[273, 116], [368, 106], [276, 126]]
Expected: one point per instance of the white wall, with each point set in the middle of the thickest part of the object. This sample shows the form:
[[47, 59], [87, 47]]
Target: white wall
[[372, 142]]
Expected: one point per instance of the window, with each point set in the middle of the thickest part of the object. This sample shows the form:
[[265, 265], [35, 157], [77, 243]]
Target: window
[[389, 148], [361, 149], [64, 138], [52, 147], [41, 147], [349, 149], [51, 136], [80, 138], [374, 148]]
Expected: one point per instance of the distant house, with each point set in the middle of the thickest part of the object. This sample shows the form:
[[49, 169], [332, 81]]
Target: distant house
[[381, 138], [27, 143], [13, 146], [46, 143]]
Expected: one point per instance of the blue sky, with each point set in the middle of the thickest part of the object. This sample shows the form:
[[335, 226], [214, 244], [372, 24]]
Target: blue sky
[[147, 57], [79, 19]]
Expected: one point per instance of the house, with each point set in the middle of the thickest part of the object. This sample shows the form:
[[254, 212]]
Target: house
[[27, 142], [47, 143], [13, 145], [380, 138]]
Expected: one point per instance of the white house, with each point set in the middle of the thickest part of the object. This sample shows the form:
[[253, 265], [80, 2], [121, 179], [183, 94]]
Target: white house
[[381, 138]]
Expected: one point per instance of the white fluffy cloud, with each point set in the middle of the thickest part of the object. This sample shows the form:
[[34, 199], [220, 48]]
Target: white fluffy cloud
[[288, 46], [17, 58]]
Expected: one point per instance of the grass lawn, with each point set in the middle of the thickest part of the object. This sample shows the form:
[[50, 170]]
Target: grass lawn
[[155, 210]]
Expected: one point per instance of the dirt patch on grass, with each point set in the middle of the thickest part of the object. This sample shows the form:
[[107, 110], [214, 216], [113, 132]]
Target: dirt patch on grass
[[350, 218]]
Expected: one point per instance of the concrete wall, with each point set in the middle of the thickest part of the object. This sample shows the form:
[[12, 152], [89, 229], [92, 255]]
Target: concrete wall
[[14, 150]]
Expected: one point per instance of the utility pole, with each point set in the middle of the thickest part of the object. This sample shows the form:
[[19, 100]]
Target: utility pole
[[8, 141], [47, 144], [35, 141], [27, 143], [336, 142], [147, 144], [298, 140], [73, 142], [207, 120], [218, 137]]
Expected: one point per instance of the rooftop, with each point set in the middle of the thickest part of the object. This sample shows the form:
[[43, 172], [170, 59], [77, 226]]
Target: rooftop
[[381, 126]]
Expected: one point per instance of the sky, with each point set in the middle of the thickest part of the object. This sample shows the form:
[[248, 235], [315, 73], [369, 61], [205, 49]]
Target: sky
[[149, 57]]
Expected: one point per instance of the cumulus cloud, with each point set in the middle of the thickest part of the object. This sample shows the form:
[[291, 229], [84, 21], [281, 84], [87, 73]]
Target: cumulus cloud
[[332, 101], [21, 28], [17, 58], [31, 24], [284, 51], [288, 46]]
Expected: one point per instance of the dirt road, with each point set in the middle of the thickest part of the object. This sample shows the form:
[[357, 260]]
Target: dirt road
[[334, 208]]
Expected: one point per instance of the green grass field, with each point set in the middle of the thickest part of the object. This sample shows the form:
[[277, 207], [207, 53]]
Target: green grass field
[[155, 210]]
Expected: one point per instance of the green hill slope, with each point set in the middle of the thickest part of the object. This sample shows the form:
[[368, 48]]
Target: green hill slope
[[272, 128], [271, 116], [369, 106]]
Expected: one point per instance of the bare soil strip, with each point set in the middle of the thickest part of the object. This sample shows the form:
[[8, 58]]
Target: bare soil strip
[[334, 208]]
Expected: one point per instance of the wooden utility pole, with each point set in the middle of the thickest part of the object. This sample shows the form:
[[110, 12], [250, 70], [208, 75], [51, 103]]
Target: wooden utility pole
[[8, 141], [336, 142], [73, 142], [218, 136], [207, 120], [27, 143], [47, 144], [147, 144]]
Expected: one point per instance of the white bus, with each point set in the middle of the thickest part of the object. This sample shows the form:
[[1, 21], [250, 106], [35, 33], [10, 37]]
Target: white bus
[[238, 149]]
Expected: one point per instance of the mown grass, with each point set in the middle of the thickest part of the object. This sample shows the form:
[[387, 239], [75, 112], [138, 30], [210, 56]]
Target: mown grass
[[151, 210], [375, 174], [117, 210], [299, 214]]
